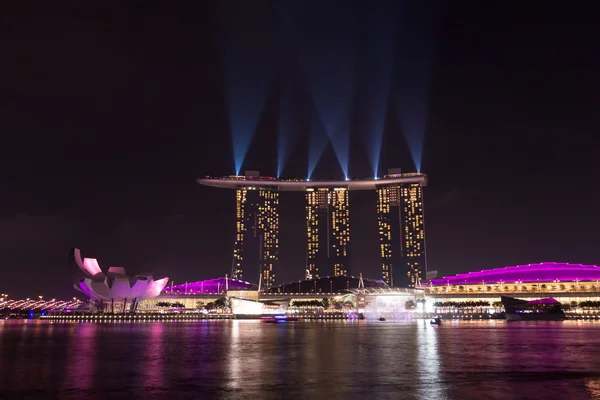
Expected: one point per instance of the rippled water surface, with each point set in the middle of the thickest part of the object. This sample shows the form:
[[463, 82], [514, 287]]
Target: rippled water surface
[[300, 360]]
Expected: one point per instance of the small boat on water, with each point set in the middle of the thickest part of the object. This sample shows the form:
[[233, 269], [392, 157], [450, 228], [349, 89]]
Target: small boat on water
[[381, 319], [279, 318], [547, 309], [436, 321]]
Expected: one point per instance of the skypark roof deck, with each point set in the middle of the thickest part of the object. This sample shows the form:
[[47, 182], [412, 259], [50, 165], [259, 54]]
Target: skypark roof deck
[[298, 185]]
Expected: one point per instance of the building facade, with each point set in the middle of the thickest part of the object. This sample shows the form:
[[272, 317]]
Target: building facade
[[575, 286], [328, 232], [256, 248], [401, 224]]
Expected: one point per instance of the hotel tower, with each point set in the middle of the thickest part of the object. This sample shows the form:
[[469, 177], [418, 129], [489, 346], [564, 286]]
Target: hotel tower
[[328, 231], [256, 248], [401, 231]]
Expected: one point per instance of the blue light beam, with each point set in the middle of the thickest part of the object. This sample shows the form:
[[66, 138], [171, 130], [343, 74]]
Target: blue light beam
[[286, 129], [413, 111], [414, 74], [317, 142], [326, 48], [248, 72], [380, 33], [287, 132], [284, 133]]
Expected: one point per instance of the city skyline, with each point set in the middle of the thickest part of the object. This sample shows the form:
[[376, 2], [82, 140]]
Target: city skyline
[[113, 112], [299, 199]]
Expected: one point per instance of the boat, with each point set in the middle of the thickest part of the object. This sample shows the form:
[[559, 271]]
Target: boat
[[498, 315], [436, 321], [547, 309], [279, 318], [381, 319]]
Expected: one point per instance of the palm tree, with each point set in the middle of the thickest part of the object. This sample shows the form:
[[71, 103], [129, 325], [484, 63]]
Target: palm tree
[[221, 302], [574, 304]]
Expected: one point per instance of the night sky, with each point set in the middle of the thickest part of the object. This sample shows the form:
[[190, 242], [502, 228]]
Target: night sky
[[108, 114]]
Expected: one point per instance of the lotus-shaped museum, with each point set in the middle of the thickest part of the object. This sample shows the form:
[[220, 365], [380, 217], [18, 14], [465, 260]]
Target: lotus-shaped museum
[[115, 285]]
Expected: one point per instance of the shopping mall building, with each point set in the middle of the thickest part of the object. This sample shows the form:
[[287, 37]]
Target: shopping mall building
[[567, 283]]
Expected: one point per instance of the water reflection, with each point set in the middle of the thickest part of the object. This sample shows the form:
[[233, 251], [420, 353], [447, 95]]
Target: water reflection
[[81, 355], [153, 368], [234, 367], [335, 359], [428, 363]]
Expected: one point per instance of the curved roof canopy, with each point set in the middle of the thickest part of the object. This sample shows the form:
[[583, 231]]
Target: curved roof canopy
[[327, 284], [544, 272], [208, 286], [298, 185]]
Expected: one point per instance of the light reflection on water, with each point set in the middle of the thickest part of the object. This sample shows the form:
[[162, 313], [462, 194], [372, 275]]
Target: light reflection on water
[[234, 368], [334, 359], [153, 371], [428, 363], [81, 353]]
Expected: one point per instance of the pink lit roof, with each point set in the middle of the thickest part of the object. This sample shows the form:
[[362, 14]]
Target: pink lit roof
[[542, 272], [215, 285], [548, 300]]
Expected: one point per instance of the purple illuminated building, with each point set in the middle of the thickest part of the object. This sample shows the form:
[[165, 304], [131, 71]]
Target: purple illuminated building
[[209, 286], [543, 272]]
